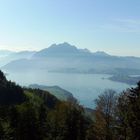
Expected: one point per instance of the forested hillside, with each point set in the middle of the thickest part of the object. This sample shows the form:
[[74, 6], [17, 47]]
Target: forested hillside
[[57, 91], [34, 114]]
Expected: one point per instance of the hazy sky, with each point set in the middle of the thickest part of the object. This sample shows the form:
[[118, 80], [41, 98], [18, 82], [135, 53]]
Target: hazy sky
[[99, 25]]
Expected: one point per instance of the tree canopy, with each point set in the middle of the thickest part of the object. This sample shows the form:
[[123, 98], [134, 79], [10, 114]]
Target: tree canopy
[[34, 114]]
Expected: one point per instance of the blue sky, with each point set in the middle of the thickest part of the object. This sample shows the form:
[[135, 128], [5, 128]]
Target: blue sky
[[99, 25]]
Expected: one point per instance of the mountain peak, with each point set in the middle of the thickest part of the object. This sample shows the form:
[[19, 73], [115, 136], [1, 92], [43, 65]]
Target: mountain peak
[[101, 53], [62, 48], [85, 50], [66, 49], [57, 49], [63, 45]]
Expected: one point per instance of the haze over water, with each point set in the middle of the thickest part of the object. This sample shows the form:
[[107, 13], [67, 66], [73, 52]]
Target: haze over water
[[85, 87]]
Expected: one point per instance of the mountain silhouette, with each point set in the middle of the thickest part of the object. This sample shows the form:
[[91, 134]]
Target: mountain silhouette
[[67, 58]]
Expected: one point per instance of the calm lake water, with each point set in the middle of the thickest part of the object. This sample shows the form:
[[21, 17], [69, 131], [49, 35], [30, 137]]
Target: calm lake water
[[85, 87]]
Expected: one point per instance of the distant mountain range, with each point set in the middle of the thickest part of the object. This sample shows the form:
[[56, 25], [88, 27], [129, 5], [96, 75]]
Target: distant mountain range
[[4, 53], [8, 56], [66, 49], [67, 58]]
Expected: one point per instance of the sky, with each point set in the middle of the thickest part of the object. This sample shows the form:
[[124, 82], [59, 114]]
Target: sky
[[99, 25]]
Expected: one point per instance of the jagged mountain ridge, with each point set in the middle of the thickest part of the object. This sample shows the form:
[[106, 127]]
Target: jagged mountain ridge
[[57, 49], [68, 58], [66, 49]]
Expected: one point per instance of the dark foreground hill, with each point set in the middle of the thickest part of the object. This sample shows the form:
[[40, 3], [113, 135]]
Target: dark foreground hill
[[34, 114], [10, 93]]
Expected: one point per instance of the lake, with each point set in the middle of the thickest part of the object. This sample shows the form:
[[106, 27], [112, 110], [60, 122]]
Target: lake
[[84, 87]]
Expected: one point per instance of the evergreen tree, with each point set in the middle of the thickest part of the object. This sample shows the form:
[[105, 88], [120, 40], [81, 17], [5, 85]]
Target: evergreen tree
[[129, 114]]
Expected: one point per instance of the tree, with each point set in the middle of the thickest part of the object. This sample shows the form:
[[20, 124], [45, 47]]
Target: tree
[[105, 115], [67, 122], [91, 133], [1, 130], [10, 93], [129, 114], [27, 128], [42, 122]]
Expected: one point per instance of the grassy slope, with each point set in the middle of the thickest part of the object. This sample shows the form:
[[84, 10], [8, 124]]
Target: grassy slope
[[60, 93]]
